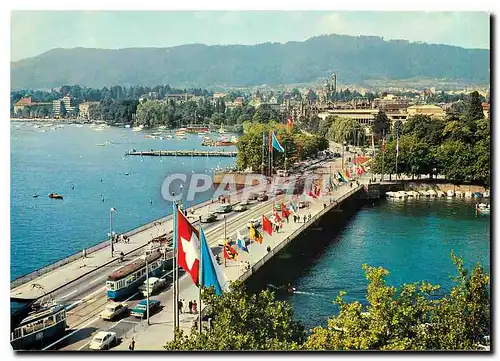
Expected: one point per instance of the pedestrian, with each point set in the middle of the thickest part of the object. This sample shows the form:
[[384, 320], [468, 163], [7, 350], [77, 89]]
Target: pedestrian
[[210, 324], [195, 306], [185, 212], [324, 205], [190, 306], [269, 248], [309, 217], [305, 218], [179, 305], [287, 219], [131, 347]]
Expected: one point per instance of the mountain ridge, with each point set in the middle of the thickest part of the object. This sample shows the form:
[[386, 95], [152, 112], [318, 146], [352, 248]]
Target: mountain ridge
[[354, 58]]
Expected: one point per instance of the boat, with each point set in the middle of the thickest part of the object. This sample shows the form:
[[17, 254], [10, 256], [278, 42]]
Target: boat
[[138, 129], [477, 195], [125, 281], [221, 130], [170, 136], [486, 194], [35, 195], [412, 194], [55, 196], [423, 193], [440, 194], [282, 289], [459, 194], [431, 193], [483, 208], [101, 145], [127, 125], [43, 325], [468, 194]]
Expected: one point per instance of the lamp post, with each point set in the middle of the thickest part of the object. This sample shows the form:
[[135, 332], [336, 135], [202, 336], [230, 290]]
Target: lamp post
[[147, 289], [111, 229]]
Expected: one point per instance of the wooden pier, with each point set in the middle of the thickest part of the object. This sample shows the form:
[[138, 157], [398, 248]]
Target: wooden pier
[[182, 153]]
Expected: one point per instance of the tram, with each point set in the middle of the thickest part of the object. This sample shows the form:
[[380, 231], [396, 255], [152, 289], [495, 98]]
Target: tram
[[126, 281]]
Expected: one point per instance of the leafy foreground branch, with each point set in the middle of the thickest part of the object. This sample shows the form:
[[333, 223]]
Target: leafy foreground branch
[[410, 317]]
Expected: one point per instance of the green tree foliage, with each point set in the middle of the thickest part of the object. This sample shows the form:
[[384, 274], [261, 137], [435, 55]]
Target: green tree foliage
[[381, 124], [298, 146], [243, 322], [346, 129], [474, 109], [410, 317]]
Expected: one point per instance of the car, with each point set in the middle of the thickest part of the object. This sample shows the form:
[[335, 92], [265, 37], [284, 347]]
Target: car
[[208, 218], [113, 309], [302, 204], [104, 340], [279, 191], [240, 208], [155, 284], [253, 196], [277, 207], [244, 202], [262, 197], [225, 208], [256, 223], [141, 308]]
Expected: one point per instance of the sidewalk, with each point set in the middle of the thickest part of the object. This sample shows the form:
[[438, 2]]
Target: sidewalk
[[160, 331]]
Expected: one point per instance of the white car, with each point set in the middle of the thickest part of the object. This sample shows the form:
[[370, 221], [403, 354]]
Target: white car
[[155, 284], [104, 340], [113, 309]]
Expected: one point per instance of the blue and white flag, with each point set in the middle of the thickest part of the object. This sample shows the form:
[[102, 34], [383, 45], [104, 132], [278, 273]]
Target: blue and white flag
[[276, 144], [211, 273], [241, 242]]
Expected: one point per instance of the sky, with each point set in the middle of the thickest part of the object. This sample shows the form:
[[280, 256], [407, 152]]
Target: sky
[[35, 32]]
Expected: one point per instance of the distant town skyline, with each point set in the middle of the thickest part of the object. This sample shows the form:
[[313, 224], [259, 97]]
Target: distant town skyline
[[35, 32]]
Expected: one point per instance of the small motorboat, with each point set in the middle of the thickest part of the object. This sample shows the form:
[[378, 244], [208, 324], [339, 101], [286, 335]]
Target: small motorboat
[[483, 208], [35, 195], [55, 196]]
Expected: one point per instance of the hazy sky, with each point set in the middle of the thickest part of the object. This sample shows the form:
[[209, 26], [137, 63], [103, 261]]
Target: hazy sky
[[34, 32]]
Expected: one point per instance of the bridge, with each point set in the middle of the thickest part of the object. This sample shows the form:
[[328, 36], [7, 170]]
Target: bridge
[[79, 281], [183, 153]]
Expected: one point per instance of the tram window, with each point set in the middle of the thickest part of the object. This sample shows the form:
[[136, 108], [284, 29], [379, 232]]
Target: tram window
[[110, 286]]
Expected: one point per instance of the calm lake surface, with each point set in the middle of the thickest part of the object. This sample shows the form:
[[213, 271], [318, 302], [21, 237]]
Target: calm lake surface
[[412, 239], [44, 230]]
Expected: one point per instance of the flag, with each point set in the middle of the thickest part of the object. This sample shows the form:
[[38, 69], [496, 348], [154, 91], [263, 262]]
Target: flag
[[241, 242], [255, 235], [230, 252], [188, 246], [278, 219], [311, 194], [373, 146], [293, 208], [276, 144], [347, 174], [343, 177], [284, 211], [362, 168], [266, 225], [289, 122], [211, 273]]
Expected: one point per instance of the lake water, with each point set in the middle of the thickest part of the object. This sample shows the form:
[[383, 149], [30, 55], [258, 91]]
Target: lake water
[[412, 239], [44, 230]]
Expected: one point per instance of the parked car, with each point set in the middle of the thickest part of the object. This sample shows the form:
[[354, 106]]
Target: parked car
[[225, 208], [208, 218], [240, 208], [113, 309], [302, 204], [252, 196], [277, 207], [155, 284], [262, 197], [104, 340], [279, 191], [141, 308], [256, 223]]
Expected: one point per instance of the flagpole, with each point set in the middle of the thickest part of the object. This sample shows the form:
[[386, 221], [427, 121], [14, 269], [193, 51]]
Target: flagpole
[[263, 151], [174, 261], [397, 152], [383, 154], [200, 280], [177, 311]]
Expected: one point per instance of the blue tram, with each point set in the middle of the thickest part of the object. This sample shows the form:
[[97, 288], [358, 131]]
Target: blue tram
[[39, 328], [126, 280]]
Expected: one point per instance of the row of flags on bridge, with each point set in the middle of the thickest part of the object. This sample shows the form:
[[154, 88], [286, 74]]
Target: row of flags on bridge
[[193, 250]]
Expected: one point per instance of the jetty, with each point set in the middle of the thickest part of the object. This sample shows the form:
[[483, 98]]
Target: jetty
[[182, 153]]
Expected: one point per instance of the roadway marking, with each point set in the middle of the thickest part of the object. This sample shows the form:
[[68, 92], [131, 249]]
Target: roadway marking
[[128, 321], [71, 334], [69, 294], [97, 279]]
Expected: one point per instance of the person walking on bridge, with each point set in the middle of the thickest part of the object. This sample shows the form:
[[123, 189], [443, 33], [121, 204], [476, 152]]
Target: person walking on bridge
[[131, 347]]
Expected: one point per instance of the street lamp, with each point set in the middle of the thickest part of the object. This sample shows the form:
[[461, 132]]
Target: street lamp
[[147, 289], [111, 228]]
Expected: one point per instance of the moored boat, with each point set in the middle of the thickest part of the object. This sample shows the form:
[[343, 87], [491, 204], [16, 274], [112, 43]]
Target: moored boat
[[450, 193], [440, 194], [432, 193]]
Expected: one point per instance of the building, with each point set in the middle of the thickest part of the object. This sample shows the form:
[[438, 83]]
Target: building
[[426, 109], [390, 103], [364, 117], [84, 109], [68, 104], [239, 101], [56, 108], [21, 104]]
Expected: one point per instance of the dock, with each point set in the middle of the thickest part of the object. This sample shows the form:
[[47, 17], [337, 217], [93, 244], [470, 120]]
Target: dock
[[182, 153]]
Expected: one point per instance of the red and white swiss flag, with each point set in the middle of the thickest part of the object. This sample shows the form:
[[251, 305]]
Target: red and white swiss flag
[[188, 245]]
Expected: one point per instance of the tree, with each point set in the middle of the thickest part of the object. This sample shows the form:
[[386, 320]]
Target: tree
[[346, 129], [243, 322], [474, 109], [380, 124], [424, 128], [455, 159], [410, 317]]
